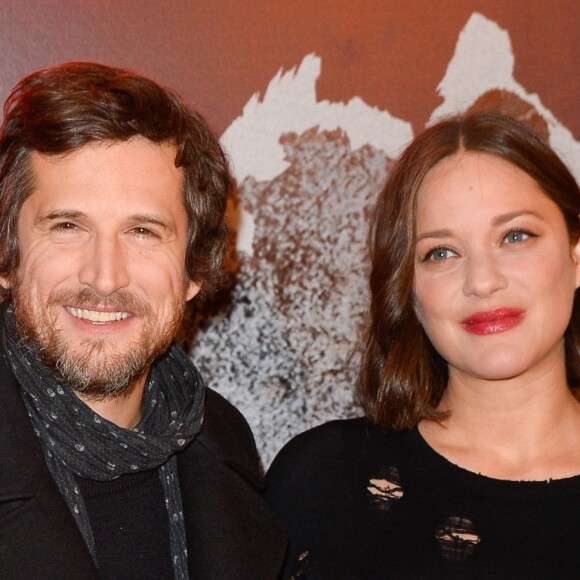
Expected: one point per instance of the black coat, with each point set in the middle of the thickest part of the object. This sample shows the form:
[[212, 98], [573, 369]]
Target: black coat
[[230, 532]]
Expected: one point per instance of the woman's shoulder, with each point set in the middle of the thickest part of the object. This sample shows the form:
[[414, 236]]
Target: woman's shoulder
[[335, 443], [359, 427], [327, 435]]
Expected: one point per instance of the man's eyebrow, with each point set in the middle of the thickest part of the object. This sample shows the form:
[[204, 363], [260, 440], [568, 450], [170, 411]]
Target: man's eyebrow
[[66, 214], [152, 219]]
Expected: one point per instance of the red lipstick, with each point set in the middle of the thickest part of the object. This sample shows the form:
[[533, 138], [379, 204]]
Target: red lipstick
[[493, 321]]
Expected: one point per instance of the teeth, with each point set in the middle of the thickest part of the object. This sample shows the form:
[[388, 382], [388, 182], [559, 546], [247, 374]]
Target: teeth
[[97, 317]]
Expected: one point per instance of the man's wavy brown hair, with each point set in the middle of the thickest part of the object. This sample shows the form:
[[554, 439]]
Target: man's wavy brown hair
[[58, 110]]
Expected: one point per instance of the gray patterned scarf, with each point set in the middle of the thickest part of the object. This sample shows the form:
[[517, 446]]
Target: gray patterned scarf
[[77, 441]]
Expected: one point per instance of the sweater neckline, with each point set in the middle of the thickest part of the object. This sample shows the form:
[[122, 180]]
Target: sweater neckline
[[437, 463]]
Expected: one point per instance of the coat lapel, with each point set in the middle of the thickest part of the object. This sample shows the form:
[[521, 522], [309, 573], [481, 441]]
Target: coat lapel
[[230, 531], [38, 535]]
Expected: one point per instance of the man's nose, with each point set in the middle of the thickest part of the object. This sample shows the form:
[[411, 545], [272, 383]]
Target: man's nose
[[104, 266], [484, 275]]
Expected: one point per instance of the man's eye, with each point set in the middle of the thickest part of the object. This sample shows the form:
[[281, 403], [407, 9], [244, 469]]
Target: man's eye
[[65, 226], [438, 254], [143, 232]]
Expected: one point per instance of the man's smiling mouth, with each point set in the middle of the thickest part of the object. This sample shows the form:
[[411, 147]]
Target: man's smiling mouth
[[96, 316]]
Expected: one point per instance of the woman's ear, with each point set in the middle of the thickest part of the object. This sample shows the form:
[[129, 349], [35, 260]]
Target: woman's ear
[[417, 309], [576, 259]]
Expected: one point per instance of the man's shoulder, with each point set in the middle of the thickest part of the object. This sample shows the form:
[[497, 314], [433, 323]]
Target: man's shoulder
[[234, 533], [226, 434]]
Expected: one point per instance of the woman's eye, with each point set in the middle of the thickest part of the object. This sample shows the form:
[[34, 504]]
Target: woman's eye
[[439, 254], [517, 236]]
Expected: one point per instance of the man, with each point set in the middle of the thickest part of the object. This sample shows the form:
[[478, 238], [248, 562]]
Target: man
[[115, 462]]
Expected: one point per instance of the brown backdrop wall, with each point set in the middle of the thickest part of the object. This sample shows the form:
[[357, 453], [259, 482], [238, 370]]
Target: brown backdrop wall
[[280, 348], [392, 53]]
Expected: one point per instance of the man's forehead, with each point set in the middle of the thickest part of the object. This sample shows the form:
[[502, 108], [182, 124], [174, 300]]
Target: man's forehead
[[137, 172], [137, 158]]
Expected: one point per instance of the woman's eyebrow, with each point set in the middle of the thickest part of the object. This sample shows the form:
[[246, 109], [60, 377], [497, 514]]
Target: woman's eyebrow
[[497, 221], [435, 234], [508, 217]]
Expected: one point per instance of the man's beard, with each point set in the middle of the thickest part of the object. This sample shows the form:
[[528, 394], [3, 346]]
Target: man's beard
[[93, 369]]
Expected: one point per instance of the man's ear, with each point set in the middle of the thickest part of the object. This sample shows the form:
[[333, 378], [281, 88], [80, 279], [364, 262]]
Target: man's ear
[[193, 289], [6, 282]]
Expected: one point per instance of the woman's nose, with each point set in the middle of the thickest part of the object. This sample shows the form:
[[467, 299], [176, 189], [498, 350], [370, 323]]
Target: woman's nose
[[483, 275]]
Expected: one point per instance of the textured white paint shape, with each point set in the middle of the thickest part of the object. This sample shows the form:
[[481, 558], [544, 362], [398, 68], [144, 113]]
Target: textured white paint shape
[[484, 60], [290, 105]]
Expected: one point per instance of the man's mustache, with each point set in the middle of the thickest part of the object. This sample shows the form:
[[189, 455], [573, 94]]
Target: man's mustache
[[89, 299]]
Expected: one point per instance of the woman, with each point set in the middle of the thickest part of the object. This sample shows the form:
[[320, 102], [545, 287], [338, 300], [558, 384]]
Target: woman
[[467, 463]]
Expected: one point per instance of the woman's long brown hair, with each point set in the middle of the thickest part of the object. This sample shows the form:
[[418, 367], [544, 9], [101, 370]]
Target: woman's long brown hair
[[402, 377]]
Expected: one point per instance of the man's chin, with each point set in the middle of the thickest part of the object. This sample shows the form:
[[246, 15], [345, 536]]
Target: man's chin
[[97, 374], [101, 389], [95, 367]]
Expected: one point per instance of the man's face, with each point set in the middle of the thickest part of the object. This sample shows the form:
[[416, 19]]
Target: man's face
[[101, 286]]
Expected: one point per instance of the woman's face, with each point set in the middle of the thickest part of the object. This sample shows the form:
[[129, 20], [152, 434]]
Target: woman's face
[[495, 270]]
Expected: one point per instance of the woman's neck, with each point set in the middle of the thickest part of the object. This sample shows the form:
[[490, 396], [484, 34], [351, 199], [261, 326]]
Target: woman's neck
[[523, 428]]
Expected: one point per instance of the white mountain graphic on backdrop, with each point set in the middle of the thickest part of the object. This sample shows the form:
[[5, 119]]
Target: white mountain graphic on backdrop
[[281, 347]]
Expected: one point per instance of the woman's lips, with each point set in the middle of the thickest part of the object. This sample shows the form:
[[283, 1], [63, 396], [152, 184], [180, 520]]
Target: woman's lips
[[493, 321]]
